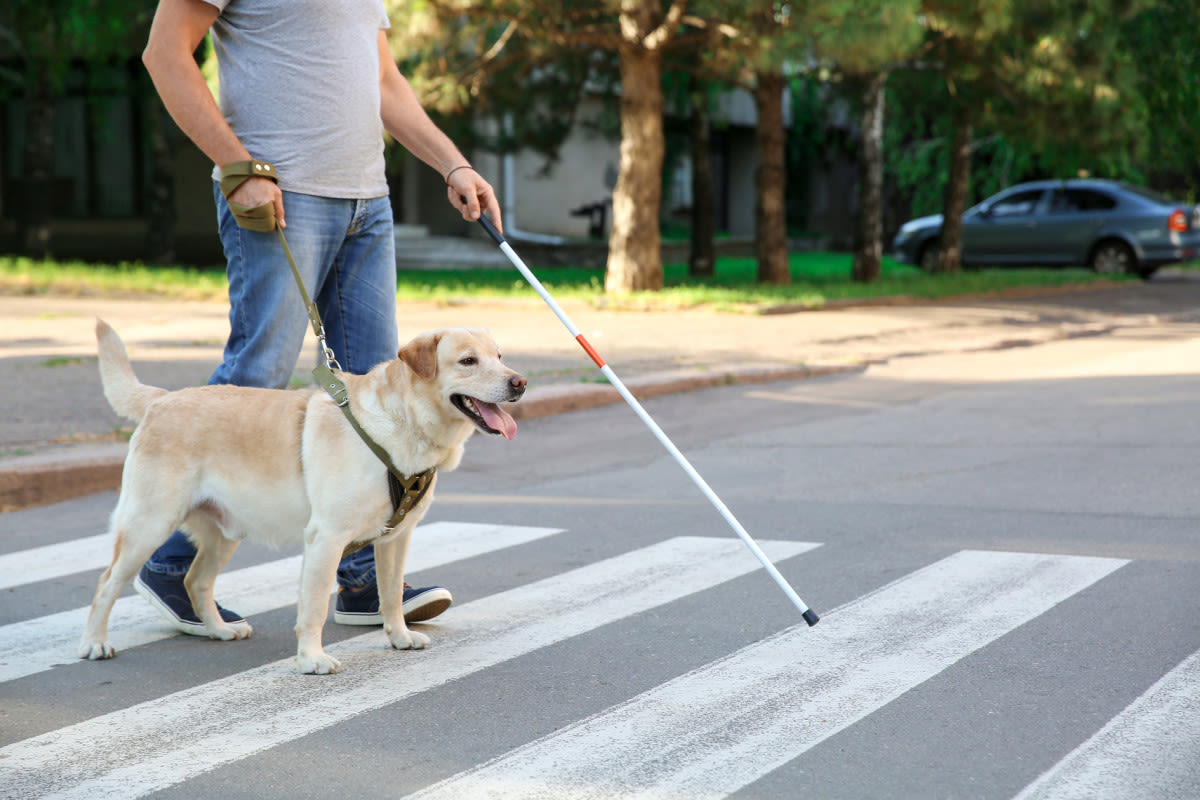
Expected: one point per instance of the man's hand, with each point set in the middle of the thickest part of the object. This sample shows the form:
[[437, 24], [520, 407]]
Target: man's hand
[[472, 195], [255, 192]]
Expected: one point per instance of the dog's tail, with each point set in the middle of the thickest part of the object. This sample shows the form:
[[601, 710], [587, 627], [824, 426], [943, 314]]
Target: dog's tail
[[128, 396]]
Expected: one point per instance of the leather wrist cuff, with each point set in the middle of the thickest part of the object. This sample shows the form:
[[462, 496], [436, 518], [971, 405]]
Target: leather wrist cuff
[[261, 218], [235, 174]]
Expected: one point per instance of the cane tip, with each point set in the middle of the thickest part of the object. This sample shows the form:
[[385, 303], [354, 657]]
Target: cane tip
[[811, 617]]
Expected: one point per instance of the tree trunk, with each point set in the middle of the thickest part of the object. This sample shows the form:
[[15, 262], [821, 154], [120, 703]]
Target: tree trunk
[[38, 183], [950, 257], [868, 234], [770, 218], [634, 245], [702, 261]]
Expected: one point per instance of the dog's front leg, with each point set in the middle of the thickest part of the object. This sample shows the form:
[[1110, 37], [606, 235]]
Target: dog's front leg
[[317, 576], [389, 569]]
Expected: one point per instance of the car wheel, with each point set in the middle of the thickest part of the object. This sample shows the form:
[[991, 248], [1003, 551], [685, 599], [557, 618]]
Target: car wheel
[[929, 256], [1113, 258]]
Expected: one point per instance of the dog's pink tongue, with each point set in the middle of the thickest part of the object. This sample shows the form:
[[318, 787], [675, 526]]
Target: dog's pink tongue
[[497, 419]]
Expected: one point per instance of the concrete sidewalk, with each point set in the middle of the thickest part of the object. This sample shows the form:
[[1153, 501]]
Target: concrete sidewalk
[[59, 439]]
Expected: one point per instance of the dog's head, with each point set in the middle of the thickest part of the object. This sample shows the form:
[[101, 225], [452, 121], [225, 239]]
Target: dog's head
[[462, 366]]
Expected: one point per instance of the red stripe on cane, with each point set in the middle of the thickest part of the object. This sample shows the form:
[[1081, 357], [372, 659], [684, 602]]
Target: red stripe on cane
[[587, 347]]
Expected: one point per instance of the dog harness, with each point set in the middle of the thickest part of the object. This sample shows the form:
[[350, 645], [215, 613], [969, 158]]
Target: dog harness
[[405, 494], [404, 491]]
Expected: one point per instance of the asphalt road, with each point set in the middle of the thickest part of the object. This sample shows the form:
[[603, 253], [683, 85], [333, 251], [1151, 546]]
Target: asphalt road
[[1002, 545]]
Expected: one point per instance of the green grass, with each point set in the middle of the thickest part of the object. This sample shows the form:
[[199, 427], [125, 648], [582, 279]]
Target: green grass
[[62, 361], [818, 279], [20, 275]]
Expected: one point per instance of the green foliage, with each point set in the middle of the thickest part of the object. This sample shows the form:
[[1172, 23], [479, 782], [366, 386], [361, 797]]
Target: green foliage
[[46, 38], [489, 79], [808, 141], [1072, 93], [1050, 88], [861, 37], [917, 142], [1053, 87], [1161, 46]]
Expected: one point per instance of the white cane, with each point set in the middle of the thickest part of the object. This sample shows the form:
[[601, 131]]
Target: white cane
[[809, 615]]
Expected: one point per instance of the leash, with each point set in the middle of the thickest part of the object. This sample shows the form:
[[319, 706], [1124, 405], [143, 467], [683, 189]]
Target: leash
[[405, 491]]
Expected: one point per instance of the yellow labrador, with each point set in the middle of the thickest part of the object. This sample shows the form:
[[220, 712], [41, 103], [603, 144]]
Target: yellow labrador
[[226, 463]]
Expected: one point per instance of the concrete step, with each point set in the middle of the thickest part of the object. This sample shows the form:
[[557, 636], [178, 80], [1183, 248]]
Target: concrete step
[[446, 252]]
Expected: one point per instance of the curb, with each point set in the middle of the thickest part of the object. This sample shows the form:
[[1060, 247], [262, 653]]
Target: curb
[[565, 398], [40, 480], [48, 478]]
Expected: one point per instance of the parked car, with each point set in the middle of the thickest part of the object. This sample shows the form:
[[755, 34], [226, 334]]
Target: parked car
[[1110, 226]]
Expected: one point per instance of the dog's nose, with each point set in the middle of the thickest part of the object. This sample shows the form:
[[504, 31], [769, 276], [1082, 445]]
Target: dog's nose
[[518, 384]]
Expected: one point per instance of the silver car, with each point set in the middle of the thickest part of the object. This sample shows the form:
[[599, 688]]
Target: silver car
[[1110, 226]]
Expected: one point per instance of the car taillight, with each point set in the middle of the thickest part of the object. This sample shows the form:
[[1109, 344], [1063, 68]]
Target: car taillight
[[1178, 221]]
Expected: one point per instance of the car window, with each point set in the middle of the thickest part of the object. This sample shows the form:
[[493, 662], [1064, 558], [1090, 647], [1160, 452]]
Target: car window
[[1017, 204], [1068, 200]]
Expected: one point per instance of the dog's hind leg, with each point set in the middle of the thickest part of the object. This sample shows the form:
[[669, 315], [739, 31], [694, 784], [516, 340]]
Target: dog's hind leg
[[213, 551], [136, 536]]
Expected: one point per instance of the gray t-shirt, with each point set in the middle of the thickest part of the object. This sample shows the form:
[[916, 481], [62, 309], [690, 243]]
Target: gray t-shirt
[[300, 88]]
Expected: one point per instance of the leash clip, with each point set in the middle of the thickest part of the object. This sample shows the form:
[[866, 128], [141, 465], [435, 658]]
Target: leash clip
[[327, 352]]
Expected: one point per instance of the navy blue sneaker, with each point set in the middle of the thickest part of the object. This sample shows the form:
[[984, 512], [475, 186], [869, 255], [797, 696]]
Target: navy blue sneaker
[[167, 594], [361, 606]]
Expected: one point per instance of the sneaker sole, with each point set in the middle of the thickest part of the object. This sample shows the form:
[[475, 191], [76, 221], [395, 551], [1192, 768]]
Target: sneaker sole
[[419, 609], [425, 609]]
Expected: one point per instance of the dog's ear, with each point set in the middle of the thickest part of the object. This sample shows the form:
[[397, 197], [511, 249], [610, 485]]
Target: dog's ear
[[421, 355]]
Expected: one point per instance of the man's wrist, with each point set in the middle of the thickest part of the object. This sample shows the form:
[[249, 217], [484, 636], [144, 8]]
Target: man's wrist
[[456, 169]]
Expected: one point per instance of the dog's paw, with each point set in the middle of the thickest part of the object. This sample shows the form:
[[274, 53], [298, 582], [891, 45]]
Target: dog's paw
[[96, 651], [408, 639], [230, 631], [318, 664]]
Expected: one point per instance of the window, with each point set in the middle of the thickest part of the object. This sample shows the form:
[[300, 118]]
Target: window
[[1018, 204], [1075, 200]]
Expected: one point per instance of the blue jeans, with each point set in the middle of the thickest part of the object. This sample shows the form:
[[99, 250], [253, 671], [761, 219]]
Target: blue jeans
[[345, 251]]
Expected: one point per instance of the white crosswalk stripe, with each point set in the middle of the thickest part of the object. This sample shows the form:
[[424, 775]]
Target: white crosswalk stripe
[[55, 560], [1150, 751], [39, 644], [703, 735], [160, 743], [707, 734]]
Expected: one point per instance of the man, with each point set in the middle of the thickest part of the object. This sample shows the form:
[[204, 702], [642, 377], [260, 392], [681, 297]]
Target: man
[[307, 88]]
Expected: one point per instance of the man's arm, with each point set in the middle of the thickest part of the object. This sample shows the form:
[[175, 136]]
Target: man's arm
[[177, 30], [405, 119]]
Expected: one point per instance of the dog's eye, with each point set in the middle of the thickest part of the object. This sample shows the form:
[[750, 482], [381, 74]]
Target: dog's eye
[[469, 361]]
